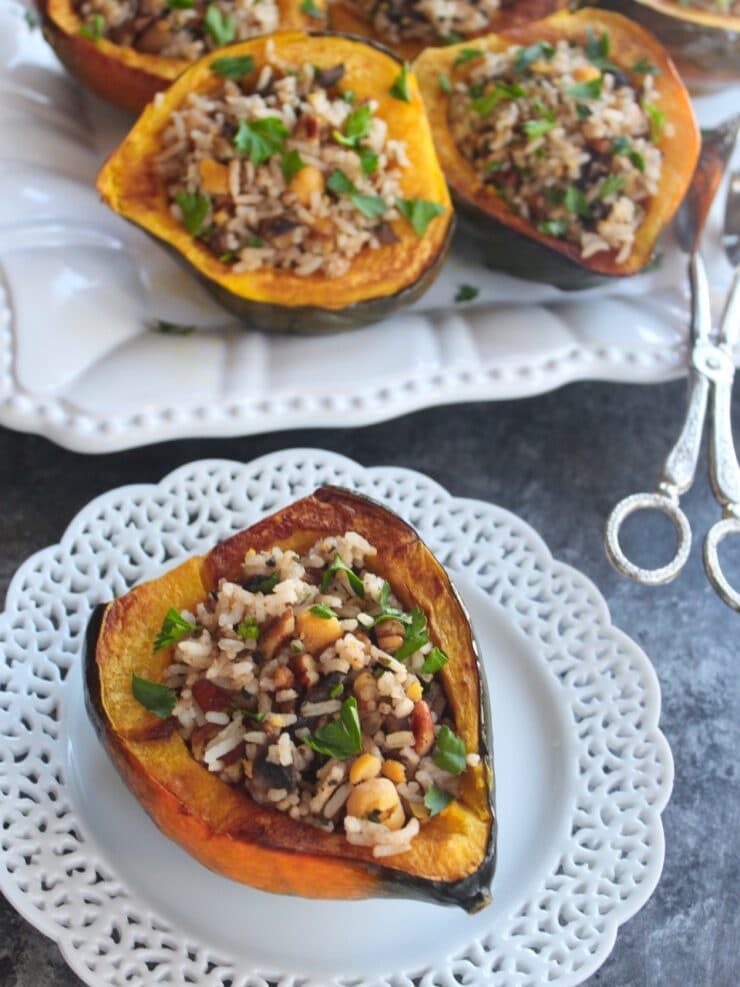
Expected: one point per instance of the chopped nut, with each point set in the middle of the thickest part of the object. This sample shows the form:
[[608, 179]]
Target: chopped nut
[[389, 634], [276, 634], [422, 726]]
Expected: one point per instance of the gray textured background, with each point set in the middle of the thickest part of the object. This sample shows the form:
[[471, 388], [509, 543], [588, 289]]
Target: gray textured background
[[560, 461]]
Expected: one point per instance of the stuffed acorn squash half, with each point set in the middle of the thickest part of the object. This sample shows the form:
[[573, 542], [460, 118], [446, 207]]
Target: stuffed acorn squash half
[[303, 709], [127, 50], [297, 176], [409, 26], [568, 143]]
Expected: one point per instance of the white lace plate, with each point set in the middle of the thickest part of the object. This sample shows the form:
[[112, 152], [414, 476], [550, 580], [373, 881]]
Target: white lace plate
[[80, 364], [583, 771]]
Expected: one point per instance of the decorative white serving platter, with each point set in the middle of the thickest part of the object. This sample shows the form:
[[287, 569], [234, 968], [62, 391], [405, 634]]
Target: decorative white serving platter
[[80, 290], [582, 769]]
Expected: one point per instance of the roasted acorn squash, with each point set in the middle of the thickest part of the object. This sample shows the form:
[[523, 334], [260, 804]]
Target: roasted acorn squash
[[349, 17], [378, 281], [705, 44], [509, 241], [453, 857], [122, 75]]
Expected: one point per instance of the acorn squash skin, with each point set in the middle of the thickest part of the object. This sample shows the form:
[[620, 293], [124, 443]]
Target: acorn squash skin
[[453, 858], [344, 19], [378, 281], [508, 242], [123, 76], [704, 45]]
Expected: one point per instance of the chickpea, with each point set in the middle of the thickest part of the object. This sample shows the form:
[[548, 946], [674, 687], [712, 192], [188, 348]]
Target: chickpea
[[378, 801], [365, 767], [389, 634], [305, 182]]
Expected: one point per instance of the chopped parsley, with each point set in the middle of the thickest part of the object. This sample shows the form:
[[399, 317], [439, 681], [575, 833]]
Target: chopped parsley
[[526, 57], [449, 753], [257, 717], [292, 163], [575, 202], [400, 88], [444, 84], [337, 691], [179, 4], [435, 660], [466, 293], [248, 630], [338, 565], [436, 799], [356, 127], [612, 185], [260, 139], [349, 95], [368, 160], [554, 227], [419, 212], [467, 55], [539, 127], [586, 90], [321, 610], [340, 738], [415, 636], [157, 698], [309, 7], [597, 50], [194, 208], [94, 29], [173, 628], [230, 68], [221, 27], [657, 120], [387, 612], [645, 67]]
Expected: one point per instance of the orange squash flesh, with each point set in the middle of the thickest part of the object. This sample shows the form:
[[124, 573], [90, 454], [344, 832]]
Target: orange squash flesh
[[346, 18], [378, 281], [453, 857], [561, 261], [122, 75]]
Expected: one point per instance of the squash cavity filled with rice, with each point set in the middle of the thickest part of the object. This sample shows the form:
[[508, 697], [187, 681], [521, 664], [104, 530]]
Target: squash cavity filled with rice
[[297, 176], [303, 709]]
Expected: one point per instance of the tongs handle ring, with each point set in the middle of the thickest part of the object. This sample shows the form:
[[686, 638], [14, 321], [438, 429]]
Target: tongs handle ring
[[719, 531], [641, 502]]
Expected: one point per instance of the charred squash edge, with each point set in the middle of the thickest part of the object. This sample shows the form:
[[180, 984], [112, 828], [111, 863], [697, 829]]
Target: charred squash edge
[[511, 242], [286, 856], [378, 281], [123, 76]]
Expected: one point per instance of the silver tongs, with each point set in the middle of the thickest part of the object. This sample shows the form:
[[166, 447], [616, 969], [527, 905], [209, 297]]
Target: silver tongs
[[711, 373]]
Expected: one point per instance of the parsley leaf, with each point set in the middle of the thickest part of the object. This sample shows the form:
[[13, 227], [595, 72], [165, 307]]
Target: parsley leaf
[[538, 128], [612, 185], [262, 584], [179, 4], [554, 227], [321, 610], [435, 660], [173, 628], [292, 164], [620, 145], [400, 88], [388, 612], [248, 630], [194, 208], [341, 738], [157, 698], [657, 120], [436, 799], [526, 57], [339, 566], [257, 717], [368, 160], [645, 67], [260, 139], [349, 95], [449, 754], [231, 68], [466, 55], [597, 50], [419, 212], [575, 202], [368, 205], [586, 90], [466, 293], [337, 691], [221, 27], [94, 29], [444, 84], [356, 127], [310, 8], [415, 636]]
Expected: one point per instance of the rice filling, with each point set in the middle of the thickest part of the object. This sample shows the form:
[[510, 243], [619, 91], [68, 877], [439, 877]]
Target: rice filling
[[564, 136], [277, 686]]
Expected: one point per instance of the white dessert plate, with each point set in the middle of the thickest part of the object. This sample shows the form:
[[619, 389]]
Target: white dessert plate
[[582, 769], [81, 289]]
